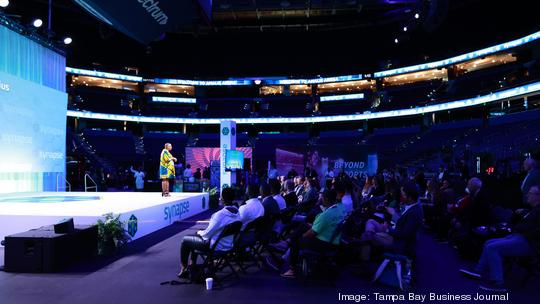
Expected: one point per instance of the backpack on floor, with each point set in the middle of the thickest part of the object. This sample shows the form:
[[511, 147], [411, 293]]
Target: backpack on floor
[[394, 271]]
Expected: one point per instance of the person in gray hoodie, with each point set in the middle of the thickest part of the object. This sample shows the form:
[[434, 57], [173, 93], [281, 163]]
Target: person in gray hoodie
[[204, 239]]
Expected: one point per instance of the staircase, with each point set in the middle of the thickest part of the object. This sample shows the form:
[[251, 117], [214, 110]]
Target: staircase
[[82, 146]]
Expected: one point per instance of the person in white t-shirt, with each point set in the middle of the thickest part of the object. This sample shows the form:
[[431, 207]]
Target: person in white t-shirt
[[253, 207], [187, 172], [344, 196], [204, 239], [275, 190], [139, 179]]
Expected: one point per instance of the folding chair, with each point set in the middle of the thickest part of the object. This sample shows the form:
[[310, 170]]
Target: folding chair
[[216, 260], [246, 243], [308, 256]]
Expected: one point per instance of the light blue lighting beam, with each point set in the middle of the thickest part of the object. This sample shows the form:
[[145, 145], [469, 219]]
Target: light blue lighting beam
[[501, 95]]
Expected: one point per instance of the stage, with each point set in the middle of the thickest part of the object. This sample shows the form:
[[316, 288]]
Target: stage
[[145, 212]]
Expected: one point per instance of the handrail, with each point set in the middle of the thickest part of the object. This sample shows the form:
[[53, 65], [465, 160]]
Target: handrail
[[86, 187], [58, 187]]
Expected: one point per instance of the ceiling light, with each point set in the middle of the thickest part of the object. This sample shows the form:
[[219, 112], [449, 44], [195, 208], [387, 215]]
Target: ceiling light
[[4, 3], [68, 40], [396, 40], [37, 22], [416, 16], [404, 28]]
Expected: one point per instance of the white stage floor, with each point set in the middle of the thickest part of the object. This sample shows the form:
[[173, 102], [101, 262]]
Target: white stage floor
[[148, 211]]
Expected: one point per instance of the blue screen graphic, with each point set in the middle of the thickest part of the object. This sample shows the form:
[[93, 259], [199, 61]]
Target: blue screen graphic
[[234, 160], [32, 135]]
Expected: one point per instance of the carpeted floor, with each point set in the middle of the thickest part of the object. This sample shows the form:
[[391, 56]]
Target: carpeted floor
[[135, 276]]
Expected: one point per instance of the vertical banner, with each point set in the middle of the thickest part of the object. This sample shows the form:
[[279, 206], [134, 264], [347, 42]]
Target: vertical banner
[[227, 142]]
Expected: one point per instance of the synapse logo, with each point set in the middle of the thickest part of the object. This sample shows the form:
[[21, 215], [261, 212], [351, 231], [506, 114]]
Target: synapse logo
[[132, 225], [176, 211], [225, 131], [151, 6]]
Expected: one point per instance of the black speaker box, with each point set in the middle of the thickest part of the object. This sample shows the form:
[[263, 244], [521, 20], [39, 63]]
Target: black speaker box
[[65, 226]]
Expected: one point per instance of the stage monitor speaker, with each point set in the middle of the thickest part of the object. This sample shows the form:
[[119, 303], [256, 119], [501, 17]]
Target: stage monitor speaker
[[65, 226]]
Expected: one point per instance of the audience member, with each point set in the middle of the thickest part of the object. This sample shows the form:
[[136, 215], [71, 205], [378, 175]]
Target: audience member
[[310, 193], [408, 224], [344, 197], [276, 194], [197, 175], [524, 241], [188, 174], [299, 188], [319, 236], [292, 174], [253, 208], [532, 177], [271, 207], [290, 195], [204, 239]]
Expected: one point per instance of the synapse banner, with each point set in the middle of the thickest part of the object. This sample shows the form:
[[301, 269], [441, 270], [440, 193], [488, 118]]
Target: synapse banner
[[33, 108]]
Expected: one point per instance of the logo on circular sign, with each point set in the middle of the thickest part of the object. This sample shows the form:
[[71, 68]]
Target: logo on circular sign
[[233, 131], [225, 186], [225, 131]]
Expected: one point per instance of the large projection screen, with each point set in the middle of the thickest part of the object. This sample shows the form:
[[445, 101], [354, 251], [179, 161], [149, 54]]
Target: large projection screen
[[33, 106]]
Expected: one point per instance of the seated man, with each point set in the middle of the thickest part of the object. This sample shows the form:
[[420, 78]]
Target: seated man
[[271, 206], [253, 208], [206, 238], [318, 237], [276, 194], [402, 239], [525, 241], [344, 196], [290, 197]]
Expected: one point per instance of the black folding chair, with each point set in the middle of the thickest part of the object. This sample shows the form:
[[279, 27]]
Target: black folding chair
[[216, 260], [264, 235], [246, 244], [286, 215], [308, 256]]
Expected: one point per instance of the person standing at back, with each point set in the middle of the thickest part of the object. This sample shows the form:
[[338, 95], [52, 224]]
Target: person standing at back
[[139, 179], [188, 174]]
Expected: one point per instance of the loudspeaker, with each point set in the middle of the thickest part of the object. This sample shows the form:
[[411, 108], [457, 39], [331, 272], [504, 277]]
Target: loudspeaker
[[42, 250], [65, 226]]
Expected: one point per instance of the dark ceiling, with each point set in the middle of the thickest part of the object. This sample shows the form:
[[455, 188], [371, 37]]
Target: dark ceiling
[[291, 37]]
